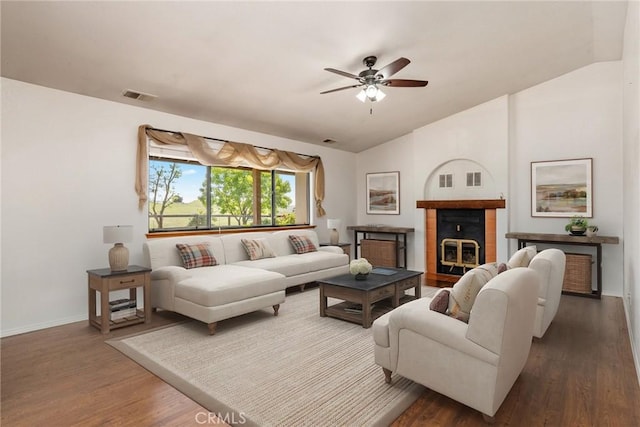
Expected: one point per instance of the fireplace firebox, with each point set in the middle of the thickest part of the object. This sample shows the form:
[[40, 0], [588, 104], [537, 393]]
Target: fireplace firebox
[[461, 240]]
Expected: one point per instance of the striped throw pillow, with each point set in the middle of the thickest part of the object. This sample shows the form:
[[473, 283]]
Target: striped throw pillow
[[258, 249], [302, 244], [194, 256]]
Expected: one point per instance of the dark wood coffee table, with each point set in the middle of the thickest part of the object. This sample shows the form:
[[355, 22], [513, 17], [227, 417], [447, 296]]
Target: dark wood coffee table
[[359, 296]]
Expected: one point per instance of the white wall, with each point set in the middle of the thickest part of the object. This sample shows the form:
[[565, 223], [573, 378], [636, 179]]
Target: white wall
[[68, 165], [393, 156], [631, 187], [576, 115]]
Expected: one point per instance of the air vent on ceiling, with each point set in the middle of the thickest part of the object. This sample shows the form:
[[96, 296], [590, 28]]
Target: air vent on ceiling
[[139, 96]]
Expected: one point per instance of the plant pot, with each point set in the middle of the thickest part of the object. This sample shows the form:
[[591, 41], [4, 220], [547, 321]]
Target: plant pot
[[361, 276], [577, 231]]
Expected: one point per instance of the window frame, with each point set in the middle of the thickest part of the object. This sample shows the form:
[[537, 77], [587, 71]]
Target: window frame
[[209, 227]]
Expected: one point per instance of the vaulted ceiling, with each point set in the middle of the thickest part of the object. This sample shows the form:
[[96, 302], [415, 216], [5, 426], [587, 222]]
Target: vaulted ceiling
[[259, 65]]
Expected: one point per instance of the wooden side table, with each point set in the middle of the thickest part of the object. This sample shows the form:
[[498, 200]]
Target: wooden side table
[[346, 247], [104, 280]]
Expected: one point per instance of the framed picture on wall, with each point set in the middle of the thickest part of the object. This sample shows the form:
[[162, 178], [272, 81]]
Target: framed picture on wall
[[562, 188], [383, 193]]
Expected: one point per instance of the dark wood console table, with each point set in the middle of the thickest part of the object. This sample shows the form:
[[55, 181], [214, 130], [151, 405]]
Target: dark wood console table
[[567, 239], [400, 234]]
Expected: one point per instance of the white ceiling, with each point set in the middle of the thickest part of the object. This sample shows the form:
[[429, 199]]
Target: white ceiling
[[259, 65]]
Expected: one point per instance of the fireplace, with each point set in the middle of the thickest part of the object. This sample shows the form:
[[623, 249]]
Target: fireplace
[[460, 240], [459, 235]]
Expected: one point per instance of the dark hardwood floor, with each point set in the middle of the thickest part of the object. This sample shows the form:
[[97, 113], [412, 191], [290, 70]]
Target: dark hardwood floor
[[580, 374]]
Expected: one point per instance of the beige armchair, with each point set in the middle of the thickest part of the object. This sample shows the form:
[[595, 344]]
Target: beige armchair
[[475, 363], [550, 265]]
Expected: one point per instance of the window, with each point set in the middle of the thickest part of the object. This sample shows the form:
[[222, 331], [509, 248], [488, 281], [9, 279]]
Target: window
[[186, 195], [446, 180], [474, 179]]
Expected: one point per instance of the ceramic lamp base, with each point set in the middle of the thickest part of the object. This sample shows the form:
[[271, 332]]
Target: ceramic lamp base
[[118, 257], [333, 236]]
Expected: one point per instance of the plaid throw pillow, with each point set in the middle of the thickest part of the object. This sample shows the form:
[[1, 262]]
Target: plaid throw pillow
[[302, 244], [257, 249], [194, 256]]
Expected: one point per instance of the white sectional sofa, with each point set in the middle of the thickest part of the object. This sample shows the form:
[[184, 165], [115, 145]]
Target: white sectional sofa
[[236, 285]]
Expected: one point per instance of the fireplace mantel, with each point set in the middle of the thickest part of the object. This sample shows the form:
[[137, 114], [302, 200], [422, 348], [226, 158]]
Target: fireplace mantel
[[431, 249], [462, 204]]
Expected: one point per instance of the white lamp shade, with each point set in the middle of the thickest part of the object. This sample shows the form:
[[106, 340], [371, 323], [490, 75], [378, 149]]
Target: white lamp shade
[[379, 95], [333, 223], [117, 233]]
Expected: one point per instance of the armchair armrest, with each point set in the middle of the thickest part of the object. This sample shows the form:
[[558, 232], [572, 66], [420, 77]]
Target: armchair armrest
[[417, 317]]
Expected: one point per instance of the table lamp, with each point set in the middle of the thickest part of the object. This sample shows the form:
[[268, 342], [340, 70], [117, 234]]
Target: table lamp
[[118, 254], [333, 225]]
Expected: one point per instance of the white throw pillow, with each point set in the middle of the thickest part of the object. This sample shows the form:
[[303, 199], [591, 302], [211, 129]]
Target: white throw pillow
[[522, 257], [258, 249], [465, 291]]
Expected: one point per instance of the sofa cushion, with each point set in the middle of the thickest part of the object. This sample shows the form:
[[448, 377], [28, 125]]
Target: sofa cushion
[[229, 283], [288, 265], [258, 248], [522, 257], [196, 255], [321, 260], [302, 244]]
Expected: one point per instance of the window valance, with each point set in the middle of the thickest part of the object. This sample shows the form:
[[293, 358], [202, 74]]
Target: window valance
[[231, 154]]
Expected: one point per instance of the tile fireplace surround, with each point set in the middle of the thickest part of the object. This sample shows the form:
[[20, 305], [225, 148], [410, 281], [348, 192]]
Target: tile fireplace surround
[[431, 240]]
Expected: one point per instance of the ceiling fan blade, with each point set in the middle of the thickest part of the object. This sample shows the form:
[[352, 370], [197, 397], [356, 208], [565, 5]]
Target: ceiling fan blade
[[343, 73], [404, 83], [392, 68], [340, 88]]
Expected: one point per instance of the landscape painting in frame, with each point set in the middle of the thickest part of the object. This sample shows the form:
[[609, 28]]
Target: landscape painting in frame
[[383, 193], [561, 188]]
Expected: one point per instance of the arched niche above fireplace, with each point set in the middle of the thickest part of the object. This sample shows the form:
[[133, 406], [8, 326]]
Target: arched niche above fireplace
[[460, 179]]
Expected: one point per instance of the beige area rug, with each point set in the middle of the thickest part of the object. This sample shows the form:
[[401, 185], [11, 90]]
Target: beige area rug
[[296, 369]]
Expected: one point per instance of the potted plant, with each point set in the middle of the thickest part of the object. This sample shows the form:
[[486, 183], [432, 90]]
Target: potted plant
[[577, 225]]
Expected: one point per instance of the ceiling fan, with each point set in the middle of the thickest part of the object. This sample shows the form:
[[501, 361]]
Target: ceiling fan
[[370, 79]]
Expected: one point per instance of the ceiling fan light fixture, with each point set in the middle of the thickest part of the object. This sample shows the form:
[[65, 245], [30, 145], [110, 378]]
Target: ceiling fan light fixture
[[379, 95], [371, 91]]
